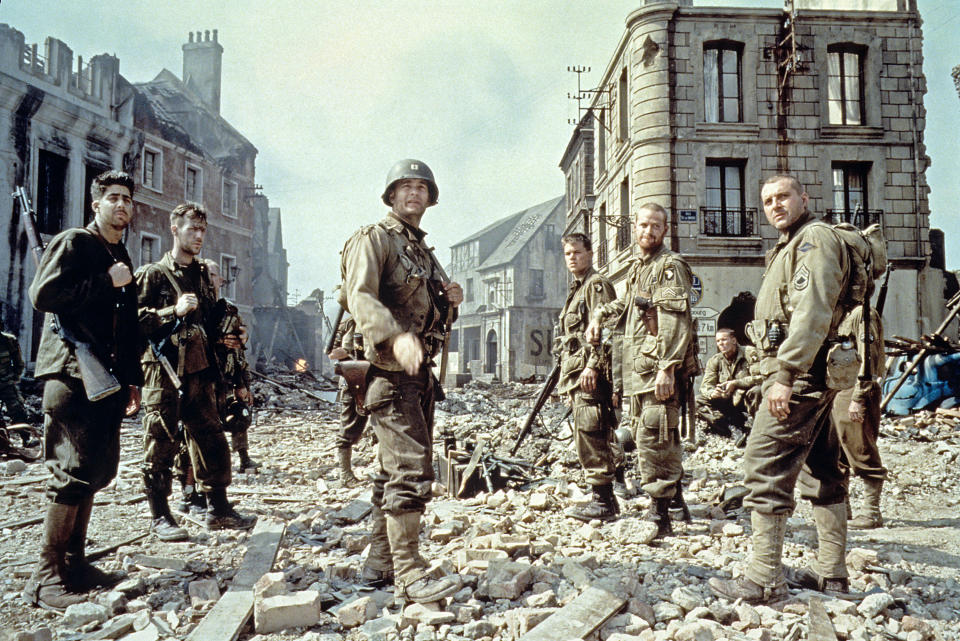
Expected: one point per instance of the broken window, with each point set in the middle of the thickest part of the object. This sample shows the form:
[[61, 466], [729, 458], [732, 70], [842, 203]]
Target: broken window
[[536, 283], [623, 228], [193, 184], [725, 213], [845, 85], [721, 82], [153, 169], [228, 271], [51, 191], [850, 195], [229, 204]]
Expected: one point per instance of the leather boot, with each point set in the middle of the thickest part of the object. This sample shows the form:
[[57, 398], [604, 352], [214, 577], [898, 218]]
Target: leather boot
[[192, 501], [157, 485], [678, 504], [620, 487], [47, 587], [247, 463], [603, 507], [763, 581], [414, 579], [345, 454], [222, 516], [807, 579], [870, 517], [82, 576], [659, 513], [831, 522], [377, 571]]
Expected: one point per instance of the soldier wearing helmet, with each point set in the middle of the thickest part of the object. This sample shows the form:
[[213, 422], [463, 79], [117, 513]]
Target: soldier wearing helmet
[[394, 289]]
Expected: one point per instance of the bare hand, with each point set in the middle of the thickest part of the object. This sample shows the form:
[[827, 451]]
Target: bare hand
[[133, 402], [231, 341], [408, 351], [664, 385], [244, 336], [616, 399], [588, 380], [120, 274], [454, 293], [243, 393], [593, 332], [778, 400], [338, 354], [186, 304], [855, 411], [724, 390]]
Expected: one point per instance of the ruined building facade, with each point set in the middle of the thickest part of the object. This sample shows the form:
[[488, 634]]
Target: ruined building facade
[[698, 104]]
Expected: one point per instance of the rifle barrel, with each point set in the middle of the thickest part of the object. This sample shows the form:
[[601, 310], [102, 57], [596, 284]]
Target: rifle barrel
[[548, 386]]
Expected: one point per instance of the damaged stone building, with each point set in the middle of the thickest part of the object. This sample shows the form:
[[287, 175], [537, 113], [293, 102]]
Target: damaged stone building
[[698, 104], [514, 283]]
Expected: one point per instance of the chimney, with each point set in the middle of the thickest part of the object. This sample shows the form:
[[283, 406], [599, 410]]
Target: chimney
[[202, 58]]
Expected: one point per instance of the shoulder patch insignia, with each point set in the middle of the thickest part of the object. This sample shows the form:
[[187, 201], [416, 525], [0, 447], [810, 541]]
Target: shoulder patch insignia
[[669, 273], [806, 246], [598, 287], [801, 279]]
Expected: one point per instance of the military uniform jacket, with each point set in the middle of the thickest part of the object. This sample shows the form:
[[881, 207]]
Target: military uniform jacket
[[801, 290], [852, 325], [72, 282], [232, 361], [385, 269], [720, 369], [586, 294], [189, 348], [664, 278], [11, 360]]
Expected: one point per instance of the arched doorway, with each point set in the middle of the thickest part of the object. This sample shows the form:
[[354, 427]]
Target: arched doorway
[[490, 364]]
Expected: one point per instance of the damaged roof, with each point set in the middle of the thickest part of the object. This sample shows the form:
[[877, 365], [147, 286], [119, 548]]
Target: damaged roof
[[529, 221]]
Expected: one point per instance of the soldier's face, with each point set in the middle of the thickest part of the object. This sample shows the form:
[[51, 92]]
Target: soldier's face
[[782, 203], [650, 228], [410, 197], [115, 208], [214, 270], [726, 343], [577, 258], [188, 237]]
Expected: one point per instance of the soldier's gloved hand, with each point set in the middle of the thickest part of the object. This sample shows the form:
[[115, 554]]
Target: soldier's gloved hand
[[120, 274], [408, 351], [338, 354], [778, 400], [588, 380], [855, 411], [186, 304], [664, 385], [133, 404], [593, 332], [454, 293]]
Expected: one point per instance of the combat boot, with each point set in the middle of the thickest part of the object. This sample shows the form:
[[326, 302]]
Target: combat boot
[[377, 571], [415, 581], [166, 528], [807, 579], [621, 487], [81, 575], [47, 587], [192, 501], [659, 513], [222, 516], [870, 517], [763, 582], [603, 507], [831, 563], [677, 504], [247, 463], [345, 454]]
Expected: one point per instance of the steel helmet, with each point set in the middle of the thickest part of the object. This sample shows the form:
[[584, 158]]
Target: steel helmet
[[625, 438], [410, 168]]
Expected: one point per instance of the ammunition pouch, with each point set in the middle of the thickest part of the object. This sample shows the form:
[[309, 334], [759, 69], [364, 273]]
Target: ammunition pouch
[[843, 364], [354, 373]]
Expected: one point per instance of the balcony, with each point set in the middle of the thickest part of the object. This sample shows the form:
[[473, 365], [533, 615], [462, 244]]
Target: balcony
[[728, 223], [860, 218]]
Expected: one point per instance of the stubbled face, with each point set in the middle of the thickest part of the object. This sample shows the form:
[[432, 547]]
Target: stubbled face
[[577, 258], [188, 237], [650, 228], [726, 343], [410, 197], [114, 210], [214, 270], [782, 203]]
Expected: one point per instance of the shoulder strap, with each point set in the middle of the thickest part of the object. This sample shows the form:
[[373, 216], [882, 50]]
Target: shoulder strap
[[173, 281]]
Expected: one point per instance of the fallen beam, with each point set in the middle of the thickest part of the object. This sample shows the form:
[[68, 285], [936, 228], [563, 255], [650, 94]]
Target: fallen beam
[[819, 626], [230, 614], [578, 618]]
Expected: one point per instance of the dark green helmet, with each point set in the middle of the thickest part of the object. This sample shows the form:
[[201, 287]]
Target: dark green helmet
[[625, 438], [410, 168]]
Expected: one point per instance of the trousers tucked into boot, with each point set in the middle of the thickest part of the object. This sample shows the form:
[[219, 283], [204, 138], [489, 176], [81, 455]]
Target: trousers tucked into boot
[[413, 579], [764, 579], [831, 522], [81, 575], [48, 587], [659, 513], [870, 517], [604, 506], [378, 569], [221, 515], [157, 485], [345, 455]]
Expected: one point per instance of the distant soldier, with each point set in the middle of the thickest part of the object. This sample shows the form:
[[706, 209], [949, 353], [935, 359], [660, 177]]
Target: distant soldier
[[585, 379], [11, 369], [352, 423], [658, 358], [722, 403]]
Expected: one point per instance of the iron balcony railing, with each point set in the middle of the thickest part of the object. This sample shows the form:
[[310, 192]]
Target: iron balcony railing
[[736, 223], [860, 218]]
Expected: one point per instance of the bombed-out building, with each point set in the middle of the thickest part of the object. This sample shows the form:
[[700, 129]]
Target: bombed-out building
[[698, 104]]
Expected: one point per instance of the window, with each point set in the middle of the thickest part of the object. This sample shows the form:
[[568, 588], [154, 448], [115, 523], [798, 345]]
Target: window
[[850, 203], [602, 236], [586, 225], [623, 105], [725, 213], [623, 227], [721, 82], [536, 283], [228, 271], [602, 140], [153, 169], [549, 237], [149, 248], [468, 293], [845, 85], [193, 184], [51, 191], [229, 204]]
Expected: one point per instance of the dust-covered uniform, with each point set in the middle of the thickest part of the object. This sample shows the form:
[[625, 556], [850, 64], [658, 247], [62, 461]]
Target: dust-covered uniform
[[664, 279], [190, 352], [234, 375], [593, 412], [11, 369], [352, 422], [725, 410]]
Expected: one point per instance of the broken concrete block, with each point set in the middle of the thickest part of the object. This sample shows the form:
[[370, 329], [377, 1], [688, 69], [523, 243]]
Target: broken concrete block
[[505, 580], [203, 591], [380, 629], [873, 604], [578, 574], [687, 598], [859, 558], [466, 612], [732, 529], [117, 626], [522, 620], [80, 614], [466, 558], [479, 629], [696, 631], [748, 615], [268, 585], [431, 614], [299, 609], [40, 634], [149, 633], [114, 602], [666, 611], [546, 599], [356, 612], [352, 512], [643, 610], [538, 501], [160, 562]]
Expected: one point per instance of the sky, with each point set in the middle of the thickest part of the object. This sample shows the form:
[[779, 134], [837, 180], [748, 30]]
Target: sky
[[332, 93]]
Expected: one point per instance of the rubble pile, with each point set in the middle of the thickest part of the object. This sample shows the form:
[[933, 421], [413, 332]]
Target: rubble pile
[[524, 563]]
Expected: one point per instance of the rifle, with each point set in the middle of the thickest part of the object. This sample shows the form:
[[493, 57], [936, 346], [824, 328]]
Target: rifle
[[98, 381], [334, 330], [882, 296], [448, 321], [157, 349], [552, 379], [284, 386]]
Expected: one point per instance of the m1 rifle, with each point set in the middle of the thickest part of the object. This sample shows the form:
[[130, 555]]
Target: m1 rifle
[[98, 381], [335, 330], [552, 379]]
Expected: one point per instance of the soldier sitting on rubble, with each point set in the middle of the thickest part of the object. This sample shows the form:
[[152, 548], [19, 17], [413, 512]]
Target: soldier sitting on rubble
[[727, 381]]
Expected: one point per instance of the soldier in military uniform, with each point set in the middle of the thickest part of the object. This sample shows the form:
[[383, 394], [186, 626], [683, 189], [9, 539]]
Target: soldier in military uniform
[[393, 289], [176, 302], [85, 279], [798, 310], [11, 369], [722, 403], [352, 423], [659, 357], [585, 379]]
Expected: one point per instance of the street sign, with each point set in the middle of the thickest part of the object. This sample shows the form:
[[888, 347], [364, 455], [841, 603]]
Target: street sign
[[704, 312], [688, 215], [706, 327], [696, 290]]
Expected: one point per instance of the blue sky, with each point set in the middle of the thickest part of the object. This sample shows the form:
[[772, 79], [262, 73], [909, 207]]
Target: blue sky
[[332, 93]]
